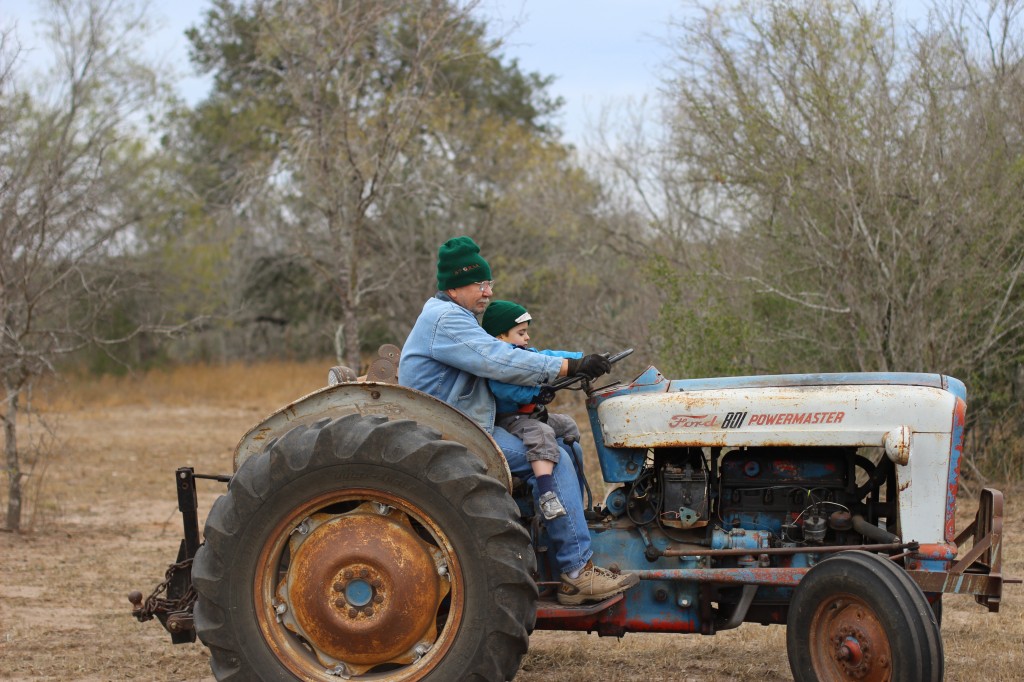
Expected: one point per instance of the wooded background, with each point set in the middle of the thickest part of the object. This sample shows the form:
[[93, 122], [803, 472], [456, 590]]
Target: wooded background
[[819, 187]]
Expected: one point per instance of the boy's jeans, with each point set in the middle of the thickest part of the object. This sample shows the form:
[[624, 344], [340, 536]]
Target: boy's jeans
[[569, 534]]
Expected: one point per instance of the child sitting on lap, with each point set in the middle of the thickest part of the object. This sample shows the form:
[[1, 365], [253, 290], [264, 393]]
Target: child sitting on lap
[[521, 411]]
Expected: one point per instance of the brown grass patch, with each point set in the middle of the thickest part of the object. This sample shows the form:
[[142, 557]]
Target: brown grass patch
[[265, 386], [106, 523]]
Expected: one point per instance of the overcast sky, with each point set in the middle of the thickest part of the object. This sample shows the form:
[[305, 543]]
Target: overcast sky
[[598, 50]]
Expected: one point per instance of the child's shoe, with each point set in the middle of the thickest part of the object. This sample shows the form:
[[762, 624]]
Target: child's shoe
[[550, 506]]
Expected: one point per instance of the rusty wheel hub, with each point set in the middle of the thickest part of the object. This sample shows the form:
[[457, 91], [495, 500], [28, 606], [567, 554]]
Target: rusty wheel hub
[[362, 589], [849, 643]]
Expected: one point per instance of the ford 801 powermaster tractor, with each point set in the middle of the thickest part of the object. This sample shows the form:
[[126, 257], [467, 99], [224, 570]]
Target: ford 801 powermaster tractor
[[372, 532]]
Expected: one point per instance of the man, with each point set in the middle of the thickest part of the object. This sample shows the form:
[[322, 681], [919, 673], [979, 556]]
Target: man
[[450, 356]]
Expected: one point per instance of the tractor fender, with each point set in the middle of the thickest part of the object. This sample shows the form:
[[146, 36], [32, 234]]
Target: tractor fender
[[390, 400]]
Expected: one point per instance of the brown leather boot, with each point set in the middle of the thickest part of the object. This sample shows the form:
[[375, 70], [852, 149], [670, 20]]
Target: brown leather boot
[[593, 584]]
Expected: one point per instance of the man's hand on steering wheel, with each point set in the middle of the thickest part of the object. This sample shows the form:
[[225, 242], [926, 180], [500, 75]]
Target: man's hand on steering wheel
[[584, 370], [591, 366]]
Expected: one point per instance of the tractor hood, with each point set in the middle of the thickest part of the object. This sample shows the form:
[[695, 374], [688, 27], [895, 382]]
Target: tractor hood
[[917, 418], [798, 409]]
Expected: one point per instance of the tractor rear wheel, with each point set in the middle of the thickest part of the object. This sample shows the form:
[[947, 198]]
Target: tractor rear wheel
[[362, 548], [858, 616]]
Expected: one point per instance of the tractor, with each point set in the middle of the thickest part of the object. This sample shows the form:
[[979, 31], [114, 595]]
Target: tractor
[[372, 532]]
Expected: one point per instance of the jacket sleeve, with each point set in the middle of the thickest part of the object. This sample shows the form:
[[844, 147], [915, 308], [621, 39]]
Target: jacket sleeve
[[524, 395], [460, 341], [510, 393], [567, 354]]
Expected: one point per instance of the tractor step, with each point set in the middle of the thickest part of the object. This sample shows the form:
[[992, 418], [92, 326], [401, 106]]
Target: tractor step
[[553, 610]]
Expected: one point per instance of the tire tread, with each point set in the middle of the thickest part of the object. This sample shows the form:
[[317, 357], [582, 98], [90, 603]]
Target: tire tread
[[457, 475]]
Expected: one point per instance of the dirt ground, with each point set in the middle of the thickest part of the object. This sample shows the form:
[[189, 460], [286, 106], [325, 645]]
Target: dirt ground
[[103, 522]]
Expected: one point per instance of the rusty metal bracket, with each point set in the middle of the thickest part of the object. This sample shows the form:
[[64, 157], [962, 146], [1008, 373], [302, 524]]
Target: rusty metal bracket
[[188, 505], [979, 570], [174, 611], [383, 369], [986, 531]]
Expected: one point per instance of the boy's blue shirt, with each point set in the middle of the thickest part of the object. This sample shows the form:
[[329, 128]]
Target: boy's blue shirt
[[510, 397]]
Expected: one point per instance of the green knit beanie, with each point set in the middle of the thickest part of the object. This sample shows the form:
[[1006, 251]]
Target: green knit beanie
[[501, 316], [459, 263]]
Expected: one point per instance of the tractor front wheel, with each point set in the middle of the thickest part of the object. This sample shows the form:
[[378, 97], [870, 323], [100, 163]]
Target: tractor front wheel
[[363, 548], [858, 616]]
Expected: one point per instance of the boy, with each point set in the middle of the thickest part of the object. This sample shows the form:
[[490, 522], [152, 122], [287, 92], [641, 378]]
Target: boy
[[521, 409]]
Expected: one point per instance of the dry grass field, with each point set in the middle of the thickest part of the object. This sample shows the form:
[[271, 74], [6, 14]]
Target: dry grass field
[[103, 521]]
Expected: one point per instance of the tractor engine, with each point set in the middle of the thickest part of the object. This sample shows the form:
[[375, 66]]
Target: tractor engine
[[800, 495], [790, 496]]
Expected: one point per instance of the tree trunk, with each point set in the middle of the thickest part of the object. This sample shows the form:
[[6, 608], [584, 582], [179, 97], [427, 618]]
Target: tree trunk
[[339, 344], [352, 339], [14, 475], [350, 303]]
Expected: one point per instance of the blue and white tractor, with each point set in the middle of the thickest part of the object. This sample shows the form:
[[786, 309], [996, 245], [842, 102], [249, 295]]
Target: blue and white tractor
[[372, 532]]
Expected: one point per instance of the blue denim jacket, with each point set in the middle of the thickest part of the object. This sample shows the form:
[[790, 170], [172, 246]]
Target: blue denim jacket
[[450, 356], [510, 397]]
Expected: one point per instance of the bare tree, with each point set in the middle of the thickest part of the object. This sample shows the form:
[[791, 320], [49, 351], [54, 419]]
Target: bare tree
[[846, 170], [353, 81], [846, 188], [373, 132], [73, 170]]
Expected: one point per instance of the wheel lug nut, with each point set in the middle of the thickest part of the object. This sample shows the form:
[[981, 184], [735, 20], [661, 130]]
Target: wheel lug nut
[[377, 599], [363, 573], [338, 587], [352, 613], [368, 611], [376, 582], [348, 575], [340, 603]]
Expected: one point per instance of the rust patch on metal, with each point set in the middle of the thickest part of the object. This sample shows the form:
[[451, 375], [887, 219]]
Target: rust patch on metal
[[391, 589], [848, 641], [369, 587]]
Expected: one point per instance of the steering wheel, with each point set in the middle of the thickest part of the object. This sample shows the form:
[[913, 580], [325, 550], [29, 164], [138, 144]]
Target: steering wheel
[[547, 391]]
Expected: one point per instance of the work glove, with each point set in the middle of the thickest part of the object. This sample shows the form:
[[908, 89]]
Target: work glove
[[591, 366], [545, 396]]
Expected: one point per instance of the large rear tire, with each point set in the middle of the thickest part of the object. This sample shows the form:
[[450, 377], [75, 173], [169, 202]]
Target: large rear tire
[[858, 616], [368, 549]]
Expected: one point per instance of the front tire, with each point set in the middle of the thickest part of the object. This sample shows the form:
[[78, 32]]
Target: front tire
[[858, 616], [365, 548]]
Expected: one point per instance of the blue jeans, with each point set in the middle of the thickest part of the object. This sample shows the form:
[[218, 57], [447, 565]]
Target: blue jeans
[[569, 534]]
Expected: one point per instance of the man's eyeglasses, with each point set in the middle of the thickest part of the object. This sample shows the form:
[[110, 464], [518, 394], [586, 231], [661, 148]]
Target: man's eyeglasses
[[485, 285]]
